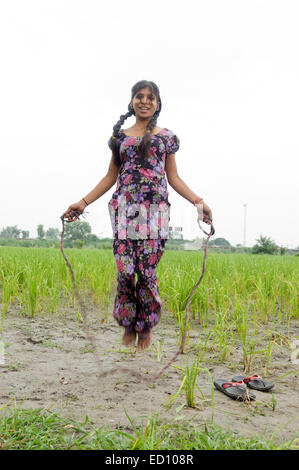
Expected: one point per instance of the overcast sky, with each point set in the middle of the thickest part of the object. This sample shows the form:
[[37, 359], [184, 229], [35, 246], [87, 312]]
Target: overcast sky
[[228, 74]]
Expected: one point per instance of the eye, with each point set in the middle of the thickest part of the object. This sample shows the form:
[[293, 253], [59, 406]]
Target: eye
[[151, 97]]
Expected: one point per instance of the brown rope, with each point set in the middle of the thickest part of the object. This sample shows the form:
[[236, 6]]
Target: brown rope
[[74, 214]]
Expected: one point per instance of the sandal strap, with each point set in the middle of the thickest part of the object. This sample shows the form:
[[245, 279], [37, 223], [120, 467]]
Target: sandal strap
[[239, 384], [253, 377]]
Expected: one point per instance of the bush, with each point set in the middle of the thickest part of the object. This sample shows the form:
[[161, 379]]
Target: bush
[[264, 245]]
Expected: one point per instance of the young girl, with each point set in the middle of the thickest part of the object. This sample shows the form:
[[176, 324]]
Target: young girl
[[141, 157]]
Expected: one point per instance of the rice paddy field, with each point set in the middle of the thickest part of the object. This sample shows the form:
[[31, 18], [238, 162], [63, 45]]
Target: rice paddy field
[[244, 321]]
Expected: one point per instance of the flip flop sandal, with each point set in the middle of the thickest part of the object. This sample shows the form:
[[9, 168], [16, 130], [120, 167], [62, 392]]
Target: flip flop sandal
[[236, 390], [255, 382]]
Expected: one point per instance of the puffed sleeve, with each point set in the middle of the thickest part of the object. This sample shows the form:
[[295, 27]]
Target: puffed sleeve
[[173, 144], [109, 143]]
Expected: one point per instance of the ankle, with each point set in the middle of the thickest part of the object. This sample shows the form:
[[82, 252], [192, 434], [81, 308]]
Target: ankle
[[128, 330], [144, 334]]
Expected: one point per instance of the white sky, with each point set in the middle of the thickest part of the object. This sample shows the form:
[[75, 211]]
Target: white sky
[[228, 73]]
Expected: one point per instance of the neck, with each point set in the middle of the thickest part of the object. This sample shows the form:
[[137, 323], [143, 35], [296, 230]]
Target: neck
[[141, 124]]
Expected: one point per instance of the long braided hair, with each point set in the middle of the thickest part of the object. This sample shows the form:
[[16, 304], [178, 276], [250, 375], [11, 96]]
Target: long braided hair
[[145, 144]]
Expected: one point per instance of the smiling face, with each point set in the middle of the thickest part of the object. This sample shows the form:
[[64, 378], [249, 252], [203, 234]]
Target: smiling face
[[145, 103]]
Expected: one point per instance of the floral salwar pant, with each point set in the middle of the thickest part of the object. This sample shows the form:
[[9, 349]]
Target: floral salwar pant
[[137, 305]]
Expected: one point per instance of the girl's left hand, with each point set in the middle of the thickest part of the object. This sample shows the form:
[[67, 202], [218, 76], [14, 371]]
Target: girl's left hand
[[204, 212]]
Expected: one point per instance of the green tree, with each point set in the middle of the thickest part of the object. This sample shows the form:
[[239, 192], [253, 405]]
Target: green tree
[[92, 238], [52, 234], [10, 232], [264, 245], [40, 232], [221, 242], [77, 231], [25, 233]]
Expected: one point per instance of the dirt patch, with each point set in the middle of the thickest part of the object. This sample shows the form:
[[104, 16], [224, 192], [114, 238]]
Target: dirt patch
[[48, 364]]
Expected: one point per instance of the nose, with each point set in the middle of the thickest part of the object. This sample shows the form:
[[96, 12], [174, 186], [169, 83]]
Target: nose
[[145, 100]]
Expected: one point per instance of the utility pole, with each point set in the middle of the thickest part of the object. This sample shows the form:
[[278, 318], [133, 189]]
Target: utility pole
[[244, 234]]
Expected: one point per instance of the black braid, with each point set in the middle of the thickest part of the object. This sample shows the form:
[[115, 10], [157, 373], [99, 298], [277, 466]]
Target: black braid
[[114, 138], [145, 144]]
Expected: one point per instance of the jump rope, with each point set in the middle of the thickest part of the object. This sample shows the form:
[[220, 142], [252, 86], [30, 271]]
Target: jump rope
[[90, 337]]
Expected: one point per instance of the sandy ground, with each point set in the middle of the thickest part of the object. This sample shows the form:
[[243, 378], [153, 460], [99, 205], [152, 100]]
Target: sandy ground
[[48, 363]]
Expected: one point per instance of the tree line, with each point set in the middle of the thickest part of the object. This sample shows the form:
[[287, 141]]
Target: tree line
[[78, 235]]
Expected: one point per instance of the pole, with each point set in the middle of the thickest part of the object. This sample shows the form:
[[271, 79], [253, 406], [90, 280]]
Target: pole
[[244, 234]]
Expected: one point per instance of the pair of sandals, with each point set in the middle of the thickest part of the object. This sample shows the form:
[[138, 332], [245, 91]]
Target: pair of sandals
[[237, 388]]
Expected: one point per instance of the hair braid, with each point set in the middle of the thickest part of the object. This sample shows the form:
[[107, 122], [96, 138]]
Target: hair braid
[[114, 138], [145, 144]]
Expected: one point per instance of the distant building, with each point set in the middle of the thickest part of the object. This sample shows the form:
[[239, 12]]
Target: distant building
[[176, 233], [194, 245]]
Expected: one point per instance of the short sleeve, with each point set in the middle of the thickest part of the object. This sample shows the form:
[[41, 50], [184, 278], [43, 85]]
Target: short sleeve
[[109, 143], [173, 144]]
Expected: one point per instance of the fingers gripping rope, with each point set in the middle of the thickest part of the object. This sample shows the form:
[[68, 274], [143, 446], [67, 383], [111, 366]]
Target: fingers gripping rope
[[74, 214]]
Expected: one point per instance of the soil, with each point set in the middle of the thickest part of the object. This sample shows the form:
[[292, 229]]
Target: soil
[[49, 364]]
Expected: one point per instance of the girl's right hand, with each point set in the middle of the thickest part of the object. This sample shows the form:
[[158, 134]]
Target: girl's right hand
[[204, 212], [76, 207]]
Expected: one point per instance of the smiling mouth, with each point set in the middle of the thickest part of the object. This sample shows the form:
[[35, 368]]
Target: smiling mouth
[[143, 108]]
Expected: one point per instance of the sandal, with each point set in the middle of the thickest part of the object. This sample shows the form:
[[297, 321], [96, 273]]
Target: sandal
[[236, 390], [255, 382]]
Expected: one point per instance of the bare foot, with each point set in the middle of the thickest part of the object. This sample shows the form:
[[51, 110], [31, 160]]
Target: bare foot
[[129, 339], [144, 340]]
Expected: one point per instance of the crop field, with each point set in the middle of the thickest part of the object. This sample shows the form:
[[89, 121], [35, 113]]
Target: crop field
[[244, 321]]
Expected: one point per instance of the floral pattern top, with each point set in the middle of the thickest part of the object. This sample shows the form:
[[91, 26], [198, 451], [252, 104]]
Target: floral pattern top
[[140, 181]]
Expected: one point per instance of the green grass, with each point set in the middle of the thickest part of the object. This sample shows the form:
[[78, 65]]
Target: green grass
[[39, 279], [244, 299], [39, 429]]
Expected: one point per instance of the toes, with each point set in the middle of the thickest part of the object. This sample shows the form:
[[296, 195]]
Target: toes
[[129, 339], [144, 341]]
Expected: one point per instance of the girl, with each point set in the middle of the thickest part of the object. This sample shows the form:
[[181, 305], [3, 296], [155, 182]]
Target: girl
[[141, 156]]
